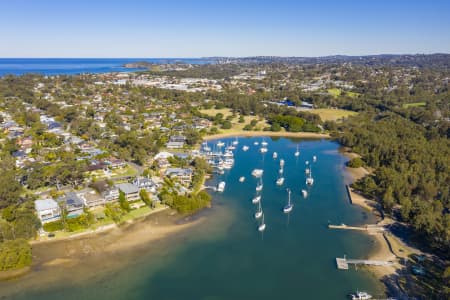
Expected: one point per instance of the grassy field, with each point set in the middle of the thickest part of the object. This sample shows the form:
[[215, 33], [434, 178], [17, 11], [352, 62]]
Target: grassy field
[[236, 126], [328, 114], [335, 92], [415, 104]]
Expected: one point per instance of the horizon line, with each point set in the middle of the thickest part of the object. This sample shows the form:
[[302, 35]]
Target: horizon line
[[222, 56]]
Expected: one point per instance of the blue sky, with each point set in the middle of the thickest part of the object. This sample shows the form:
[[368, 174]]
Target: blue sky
[[175, 28]]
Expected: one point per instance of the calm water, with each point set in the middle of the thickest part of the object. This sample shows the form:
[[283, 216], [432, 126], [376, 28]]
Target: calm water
[[69, 66], [227, 258]]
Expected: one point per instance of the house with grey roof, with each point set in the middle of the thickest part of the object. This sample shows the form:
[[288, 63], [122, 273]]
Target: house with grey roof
[[47, 210], [184, 175], [130, 190]]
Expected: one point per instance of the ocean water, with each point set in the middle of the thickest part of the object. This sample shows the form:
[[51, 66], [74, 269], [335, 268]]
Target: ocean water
[[70, 66], [226, 257]]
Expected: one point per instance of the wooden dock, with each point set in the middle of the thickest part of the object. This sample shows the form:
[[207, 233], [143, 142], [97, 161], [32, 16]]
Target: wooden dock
[[342, 263], [371, 228]]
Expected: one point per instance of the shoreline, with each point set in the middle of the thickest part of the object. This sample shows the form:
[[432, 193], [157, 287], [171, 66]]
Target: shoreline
[[382, 249], [310, 135], [54, 255]]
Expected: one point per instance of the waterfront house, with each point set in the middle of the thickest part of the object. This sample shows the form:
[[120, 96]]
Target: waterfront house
[[183, 175], [72, 203], [130, 190], [91, 198], [47, 210], [111, 194], [145, 183]]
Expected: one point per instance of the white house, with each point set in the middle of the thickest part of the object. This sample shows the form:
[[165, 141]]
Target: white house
[[47, 210]]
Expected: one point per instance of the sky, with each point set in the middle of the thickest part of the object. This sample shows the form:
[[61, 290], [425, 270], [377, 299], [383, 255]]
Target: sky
[[198, 28]]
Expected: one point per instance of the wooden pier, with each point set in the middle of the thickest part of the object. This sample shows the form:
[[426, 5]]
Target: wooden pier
[[342, 263], [372, 229]]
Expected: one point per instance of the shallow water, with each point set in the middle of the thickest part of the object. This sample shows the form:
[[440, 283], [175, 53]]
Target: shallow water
[[225, 257]]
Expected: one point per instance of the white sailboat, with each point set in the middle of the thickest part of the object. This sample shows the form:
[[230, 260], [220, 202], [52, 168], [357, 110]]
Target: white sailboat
[[259, 212], [280, 181], [297, 153], [257, 199], [245, 148], [264, 143], [241, 179], [275, 155], [257, 172], [259, 187], [307, 171], [235, 142], [262, 226], [220, 144], [256, 143], [309, 179], [280, 171], [314, 158], [304, 193], [206, 148], [281, 163], [288, 208], [263, 150]]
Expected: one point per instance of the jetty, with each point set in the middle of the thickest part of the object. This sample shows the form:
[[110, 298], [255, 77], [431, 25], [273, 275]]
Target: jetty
[[342, 263], [370, 228]]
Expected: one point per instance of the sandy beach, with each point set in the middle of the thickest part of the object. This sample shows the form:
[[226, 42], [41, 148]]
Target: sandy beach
[[309, 135]]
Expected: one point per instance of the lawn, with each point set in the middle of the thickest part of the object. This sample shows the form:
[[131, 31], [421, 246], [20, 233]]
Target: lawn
[[236, 126], [415, 104], [335, 92], [328, 114]]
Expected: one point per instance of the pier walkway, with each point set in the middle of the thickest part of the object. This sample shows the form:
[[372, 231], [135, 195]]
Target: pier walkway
[[342, 263], [372, 229]]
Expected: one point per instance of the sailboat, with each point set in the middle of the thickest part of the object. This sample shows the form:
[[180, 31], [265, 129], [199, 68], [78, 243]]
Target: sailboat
[[259, 212], [304, 193], [275, 155], [235, 142], [264, 143], [280, 171], [259, 187], [206, 148], [245, 148], [307, 171], [257, 199], [262, 226], [220, 144], [309, 179], [256, 143], [288, 208], [314, 158], [280, 180], [241, 179], [281, 163], [297, 153]]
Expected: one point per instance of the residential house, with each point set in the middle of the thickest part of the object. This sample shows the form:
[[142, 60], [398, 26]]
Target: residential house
[[145, 183], [72, 203], [47, 210], [176, 142], [130, 190], [91, 198], [183, 175]]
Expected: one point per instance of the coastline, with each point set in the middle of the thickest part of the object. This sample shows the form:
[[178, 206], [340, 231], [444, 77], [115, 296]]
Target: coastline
[[382, 248], [310, 135], [57, 255]]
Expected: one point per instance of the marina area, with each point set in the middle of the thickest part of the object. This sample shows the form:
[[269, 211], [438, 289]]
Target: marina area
[[258, 236]]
